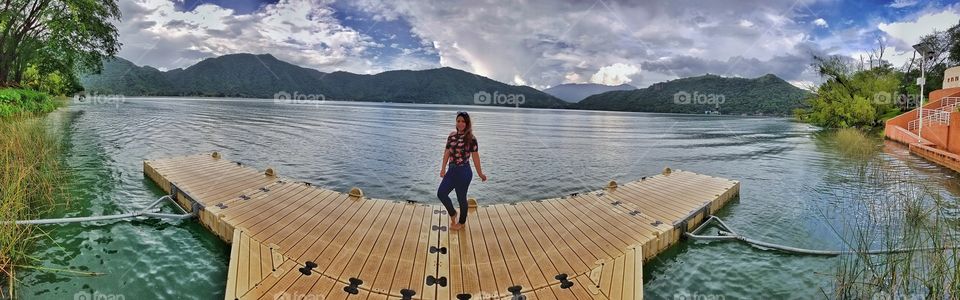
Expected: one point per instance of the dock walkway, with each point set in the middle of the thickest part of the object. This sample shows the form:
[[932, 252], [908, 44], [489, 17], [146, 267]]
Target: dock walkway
[[293, 240]]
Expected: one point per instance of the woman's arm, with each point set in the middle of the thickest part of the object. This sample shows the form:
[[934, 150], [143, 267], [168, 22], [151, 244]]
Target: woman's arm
[[443, 165], [476, 163]]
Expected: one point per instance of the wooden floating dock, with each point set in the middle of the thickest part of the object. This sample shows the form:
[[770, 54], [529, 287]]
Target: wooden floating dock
[[294, 240]]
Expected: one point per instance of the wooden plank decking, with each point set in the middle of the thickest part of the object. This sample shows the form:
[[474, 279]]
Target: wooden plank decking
[[293, 240]]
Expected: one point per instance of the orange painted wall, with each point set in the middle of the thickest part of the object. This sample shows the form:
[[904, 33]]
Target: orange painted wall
[[951, 92], [943, 136], [905, 118], [953, 136], [937, 134], [941, 142], [902, 119]]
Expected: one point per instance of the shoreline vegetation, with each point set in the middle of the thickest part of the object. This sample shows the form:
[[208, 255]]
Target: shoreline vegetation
[[20, 102], [32, 176], [44, 46]]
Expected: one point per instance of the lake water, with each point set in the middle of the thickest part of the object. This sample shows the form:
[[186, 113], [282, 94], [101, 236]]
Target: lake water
[[792, 177]]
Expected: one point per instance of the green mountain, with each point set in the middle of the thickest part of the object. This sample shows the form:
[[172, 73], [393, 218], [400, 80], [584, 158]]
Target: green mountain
[[245, 76], [767, 95], [120, 76], [574, 92], [264, 76]]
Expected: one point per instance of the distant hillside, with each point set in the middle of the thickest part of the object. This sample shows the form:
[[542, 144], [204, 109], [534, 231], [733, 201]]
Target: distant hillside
[[767, 95], [574, 92], [244, 75], [263, 76], [120, 76]]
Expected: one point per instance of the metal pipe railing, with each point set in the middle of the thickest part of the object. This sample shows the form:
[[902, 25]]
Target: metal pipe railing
[[140, 213]]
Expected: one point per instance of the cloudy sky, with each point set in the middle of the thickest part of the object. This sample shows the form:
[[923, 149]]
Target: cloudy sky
[[535, 43]]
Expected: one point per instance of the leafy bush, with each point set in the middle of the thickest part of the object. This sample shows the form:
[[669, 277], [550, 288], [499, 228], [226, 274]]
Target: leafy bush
[[860, 99], [23, 101], [52, 83]]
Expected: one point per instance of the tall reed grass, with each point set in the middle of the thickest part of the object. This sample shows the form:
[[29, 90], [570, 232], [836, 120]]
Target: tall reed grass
[[888, 207], [32, 182]]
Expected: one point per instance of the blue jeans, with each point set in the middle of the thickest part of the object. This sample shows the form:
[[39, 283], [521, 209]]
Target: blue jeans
[[457, 178]]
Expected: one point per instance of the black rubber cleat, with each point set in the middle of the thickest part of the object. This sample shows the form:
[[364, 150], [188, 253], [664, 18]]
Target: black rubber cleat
[[442, 281], [407, 294], [305, 271], [564, 282], [352, 288], [307, 268]]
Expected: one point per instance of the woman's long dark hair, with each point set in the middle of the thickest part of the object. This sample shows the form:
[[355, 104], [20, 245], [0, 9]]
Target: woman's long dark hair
[[467, 130]]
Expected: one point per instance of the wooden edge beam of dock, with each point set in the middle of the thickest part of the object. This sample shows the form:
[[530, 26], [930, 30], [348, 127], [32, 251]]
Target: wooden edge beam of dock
[[292, 240]]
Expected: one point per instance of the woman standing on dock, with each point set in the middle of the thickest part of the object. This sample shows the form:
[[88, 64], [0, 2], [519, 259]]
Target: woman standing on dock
[[455, 169]]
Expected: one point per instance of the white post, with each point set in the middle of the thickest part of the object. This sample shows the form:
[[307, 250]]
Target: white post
[[923, 81]]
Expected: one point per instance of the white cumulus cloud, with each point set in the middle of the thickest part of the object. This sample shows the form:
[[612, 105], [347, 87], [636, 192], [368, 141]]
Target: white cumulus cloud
[[615, 74], [303, 32], [909, 32], [821, 22]]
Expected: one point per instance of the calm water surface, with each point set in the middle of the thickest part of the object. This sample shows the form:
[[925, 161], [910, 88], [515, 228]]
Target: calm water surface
[[792, 176]]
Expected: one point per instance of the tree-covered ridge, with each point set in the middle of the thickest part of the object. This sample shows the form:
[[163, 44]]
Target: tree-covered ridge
[[766, 95], [264, 76]]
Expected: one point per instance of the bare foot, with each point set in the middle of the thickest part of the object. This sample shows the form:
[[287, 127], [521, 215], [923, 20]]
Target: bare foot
[[456, 226], [453, 220]]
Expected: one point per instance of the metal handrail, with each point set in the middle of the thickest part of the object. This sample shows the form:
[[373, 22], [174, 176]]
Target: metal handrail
[[930, 116], [949, 103]]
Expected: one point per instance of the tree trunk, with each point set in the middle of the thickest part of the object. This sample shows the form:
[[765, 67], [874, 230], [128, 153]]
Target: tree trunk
[[11, 71]]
